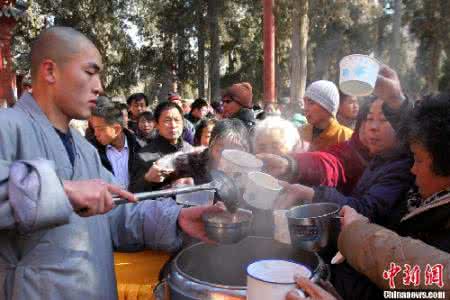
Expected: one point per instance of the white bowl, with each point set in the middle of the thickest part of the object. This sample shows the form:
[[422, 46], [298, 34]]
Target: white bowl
[[237, 164], [358, 74]]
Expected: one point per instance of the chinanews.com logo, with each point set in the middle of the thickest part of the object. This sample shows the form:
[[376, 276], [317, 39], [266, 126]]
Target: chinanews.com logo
[[412, 276]]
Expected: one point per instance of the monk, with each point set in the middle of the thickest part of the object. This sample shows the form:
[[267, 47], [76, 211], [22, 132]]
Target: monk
[[58, 223]]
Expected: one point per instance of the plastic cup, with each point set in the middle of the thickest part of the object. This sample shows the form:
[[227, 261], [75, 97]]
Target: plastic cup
[[358, 74], [261, 190], [238, 164]]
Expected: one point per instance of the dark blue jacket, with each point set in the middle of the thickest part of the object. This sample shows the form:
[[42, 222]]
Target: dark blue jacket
[[381, 190], [133, 148]]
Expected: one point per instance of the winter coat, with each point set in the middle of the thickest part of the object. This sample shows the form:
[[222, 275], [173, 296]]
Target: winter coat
[[193, 119], [381, 190], [247, 116], [188, 131], [339, 166], [370, 248], [132, 125], [334, 134], [133, 148], [46, 250], [429, 222], [147, 156]]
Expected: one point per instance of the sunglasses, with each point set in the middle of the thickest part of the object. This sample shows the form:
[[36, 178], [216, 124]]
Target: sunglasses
[[228, 101]]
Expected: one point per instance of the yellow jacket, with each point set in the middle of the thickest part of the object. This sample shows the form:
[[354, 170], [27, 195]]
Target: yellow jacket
[[335, 133]]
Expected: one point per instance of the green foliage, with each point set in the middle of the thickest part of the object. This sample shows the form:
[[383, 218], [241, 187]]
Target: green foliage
[[142, 40], [102, 21]]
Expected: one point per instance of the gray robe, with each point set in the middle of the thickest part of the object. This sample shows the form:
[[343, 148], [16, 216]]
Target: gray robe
[[46, 250]]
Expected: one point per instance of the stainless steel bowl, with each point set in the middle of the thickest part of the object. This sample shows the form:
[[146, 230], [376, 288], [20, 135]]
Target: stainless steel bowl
[[313, 227], [228, 228]]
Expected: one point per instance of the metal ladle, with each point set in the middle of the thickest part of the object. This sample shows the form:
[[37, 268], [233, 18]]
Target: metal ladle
[[224, 187]]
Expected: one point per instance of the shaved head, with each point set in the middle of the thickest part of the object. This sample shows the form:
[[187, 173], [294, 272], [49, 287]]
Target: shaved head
[[65, 69], [57, 44]]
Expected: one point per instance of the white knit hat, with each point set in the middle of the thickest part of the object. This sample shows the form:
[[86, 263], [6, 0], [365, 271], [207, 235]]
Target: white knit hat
[[326, 94]]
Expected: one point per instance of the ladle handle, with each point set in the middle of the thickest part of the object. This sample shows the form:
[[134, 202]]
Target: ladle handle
[[165, 193]]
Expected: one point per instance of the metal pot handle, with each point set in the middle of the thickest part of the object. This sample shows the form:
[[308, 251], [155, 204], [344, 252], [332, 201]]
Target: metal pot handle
[[320, 273], [159, 291]]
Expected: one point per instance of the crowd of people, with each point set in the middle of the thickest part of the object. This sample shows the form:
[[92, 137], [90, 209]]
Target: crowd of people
[[384, 159]]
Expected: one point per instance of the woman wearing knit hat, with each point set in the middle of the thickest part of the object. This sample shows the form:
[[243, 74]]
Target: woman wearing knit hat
[[321, 105], [238, 103]]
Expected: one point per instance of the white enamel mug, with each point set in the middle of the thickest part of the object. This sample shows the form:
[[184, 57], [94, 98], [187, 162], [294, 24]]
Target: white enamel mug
[[272, 279]]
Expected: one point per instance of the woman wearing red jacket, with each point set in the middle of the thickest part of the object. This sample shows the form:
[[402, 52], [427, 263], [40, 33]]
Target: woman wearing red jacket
[[339, 166]]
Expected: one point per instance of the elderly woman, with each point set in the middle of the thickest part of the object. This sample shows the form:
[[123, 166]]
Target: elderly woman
[[339, 166], [277, 136], [226, 134], [427, 131]]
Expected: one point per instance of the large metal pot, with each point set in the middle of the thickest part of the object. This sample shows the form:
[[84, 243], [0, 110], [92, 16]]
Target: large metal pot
[[313, 227], [209, 272]]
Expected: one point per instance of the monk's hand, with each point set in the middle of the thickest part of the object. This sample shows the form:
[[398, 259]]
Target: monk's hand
[[314, 291], [388, 87], [349, 215], [190, 220], [274, 165], [93, 197]]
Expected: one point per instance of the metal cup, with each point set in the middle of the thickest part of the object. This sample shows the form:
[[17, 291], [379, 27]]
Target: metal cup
[[313, 226]]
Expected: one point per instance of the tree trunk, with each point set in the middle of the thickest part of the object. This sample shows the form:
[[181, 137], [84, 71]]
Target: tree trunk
[[214, 64], [201, 38], [433, 45], [433, 72], [445, 18], [279, 87], [298, 57], [381, 28], [396, 36]]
